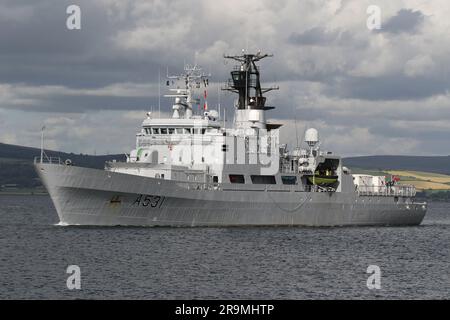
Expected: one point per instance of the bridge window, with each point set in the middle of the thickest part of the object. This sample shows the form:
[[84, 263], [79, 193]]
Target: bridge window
[[179, 130], [263, 179], [187, 130], [289, 179], [236, 178], [155, 130], [163, 130], [171, 130]]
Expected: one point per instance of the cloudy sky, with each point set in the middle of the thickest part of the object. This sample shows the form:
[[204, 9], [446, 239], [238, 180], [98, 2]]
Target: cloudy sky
[[367, 91]]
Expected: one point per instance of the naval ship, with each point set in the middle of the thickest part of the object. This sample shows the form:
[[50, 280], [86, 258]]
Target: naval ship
[[191, 170]]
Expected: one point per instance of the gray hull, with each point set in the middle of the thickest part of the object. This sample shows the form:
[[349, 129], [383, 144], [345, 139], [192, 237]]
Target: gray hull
[[96, 197]]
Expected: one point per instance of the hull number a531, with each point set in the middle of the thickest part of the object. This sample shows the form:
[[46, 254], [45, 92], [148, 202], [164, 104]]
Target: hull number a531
[[148, 201]]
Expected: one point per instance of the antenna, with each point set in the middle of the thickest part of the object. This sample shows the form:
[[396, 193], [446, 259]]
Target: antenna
[[159, 92], [246, 83], [218, 98], [296, 125], [303, 135], [42, 143]]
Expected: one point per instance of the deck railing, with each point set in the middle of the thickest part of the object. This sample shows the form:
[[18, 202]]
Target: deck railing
[[387, 191], [51, 160]]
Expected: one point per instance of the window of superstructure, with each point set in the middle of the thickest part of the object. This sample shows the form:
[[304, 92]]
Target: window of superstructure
[[237, 178], [179, 130], [155, 130], [163, 130], [171, 130], [256, 179], [187, 130], [289, 179]]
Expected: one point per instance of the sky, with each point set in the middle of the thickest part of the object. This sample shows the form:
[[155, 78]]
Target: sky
[[379, 91]]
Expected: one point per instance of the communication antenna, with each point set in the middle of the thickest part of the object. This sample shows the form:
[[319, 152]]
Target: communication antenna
[[159, 92], [42, 143], [296, 125], [218, 98]]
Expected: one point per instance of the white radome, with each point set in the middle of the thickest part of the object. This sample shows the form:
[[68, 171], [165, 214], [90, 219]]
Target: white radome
[[311, 137]]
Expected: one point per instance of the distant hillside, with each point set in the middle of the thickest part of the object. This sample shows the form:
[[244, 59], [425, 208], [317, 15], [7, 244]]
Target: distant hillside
[[411, 163], [16, 163], [26, 153]]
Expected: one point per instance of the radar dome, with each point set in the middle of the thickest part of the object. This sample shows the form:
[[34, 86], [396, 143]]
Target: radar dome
[[311, 137]]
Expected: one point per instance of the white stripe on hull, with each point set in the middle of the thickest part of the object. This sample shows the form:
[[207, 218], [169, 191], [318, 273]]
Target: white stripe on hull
[[96, 197]]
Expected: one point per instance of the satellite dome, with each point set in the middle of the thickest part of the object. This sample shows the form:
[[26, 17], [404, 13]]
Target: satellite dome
[[311, 137]]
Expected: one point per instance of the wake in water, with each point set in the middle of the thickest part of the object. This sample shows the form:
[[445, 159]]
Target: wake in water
[[61, 224]]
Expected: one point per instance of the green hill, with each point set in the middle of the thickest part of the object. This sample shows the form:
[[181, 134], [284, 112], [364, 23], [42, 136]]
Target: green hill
[[437, 164], [16, 163]]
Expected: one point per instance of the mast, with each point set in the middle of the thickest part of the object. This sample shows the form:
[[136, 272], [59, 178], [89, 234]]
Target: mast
[[159, 92], [192, 78], [42, 143], [245, 81]]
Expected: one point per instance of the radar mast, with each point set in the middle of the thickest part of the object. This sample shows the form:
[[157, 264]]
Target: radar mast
[[245, 81]]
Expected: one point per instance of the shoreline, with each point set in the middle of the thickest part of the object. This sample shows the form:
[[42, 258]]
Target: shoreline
[[23, 193]]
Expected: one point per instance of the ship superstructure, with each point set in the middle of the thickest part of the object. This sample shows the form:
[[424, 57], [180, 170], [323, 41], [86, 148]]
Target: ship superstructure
[[189, 170]]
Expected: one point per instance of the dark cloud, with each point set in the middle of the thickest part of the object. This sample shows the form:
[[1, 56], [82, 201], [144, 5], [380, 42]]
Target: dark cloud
[[388, 87], [38, 49], [126, 42], [320, 37], [406, 20], [80, 104]]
